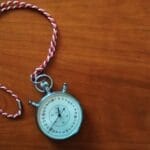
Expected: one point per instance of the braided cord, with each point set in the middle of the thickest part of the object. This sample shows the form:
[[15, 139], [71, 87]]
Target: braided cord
[[15, 4], [19, 112]]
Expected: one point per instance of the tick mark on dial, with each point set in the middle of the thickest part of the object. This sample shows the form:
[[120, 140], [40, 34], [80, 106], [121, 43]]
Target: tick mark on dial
[[43, 114], [75, 116]]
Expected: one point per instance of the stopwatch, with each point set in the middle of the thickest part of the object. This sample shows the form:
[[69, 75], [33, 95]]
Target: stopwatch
[[59, 114]]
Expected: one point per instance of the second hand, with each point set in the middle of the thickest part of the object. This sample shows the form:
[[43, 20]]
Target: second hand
[[59, 115]]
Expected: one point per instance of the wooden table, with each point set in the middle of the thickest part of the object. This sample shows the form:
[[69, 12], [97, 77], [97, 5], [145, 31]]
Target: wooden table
[[103, 53]]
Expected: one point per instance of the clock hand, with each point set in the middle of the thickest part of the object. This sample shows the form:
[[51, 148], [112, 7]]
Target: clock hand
[[62, 110], [54, 123], [59, 115]]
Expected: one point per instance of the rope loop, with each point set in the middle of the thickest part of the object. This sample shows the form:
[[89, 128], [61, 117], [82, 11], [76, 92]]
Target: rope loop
[[15, 4]]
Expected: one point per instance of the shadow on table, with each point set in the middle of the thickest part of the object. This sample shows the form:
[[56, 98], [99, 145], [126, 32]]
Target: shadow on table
[[83, 140]]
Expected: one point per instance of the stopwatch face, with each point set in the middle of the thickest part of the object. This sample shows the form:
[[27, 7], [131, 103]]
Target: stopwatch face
[[59, 115]]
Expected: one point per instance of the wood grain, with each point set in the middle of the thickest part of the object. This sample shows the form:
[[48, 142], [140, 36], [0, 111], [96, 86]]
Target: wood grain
[[103, 53]]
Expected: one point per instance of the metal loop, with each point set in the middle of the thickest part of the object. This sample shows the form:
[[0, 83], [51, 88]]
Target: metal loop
[[40, 79]]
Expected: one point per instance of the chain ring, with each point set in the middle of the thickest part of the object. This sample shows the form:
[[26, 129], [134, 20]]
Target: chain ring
[[40, 79]]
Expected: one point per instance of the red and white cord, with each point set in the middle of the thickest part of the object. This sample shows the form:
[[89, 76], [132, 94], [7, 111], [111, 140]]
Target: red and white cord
[[19, 112], [15, 4]]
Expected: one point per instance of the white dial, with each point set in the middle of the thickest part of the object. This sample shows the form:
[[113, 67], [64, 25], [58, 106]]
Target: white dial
[[59, 115]]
